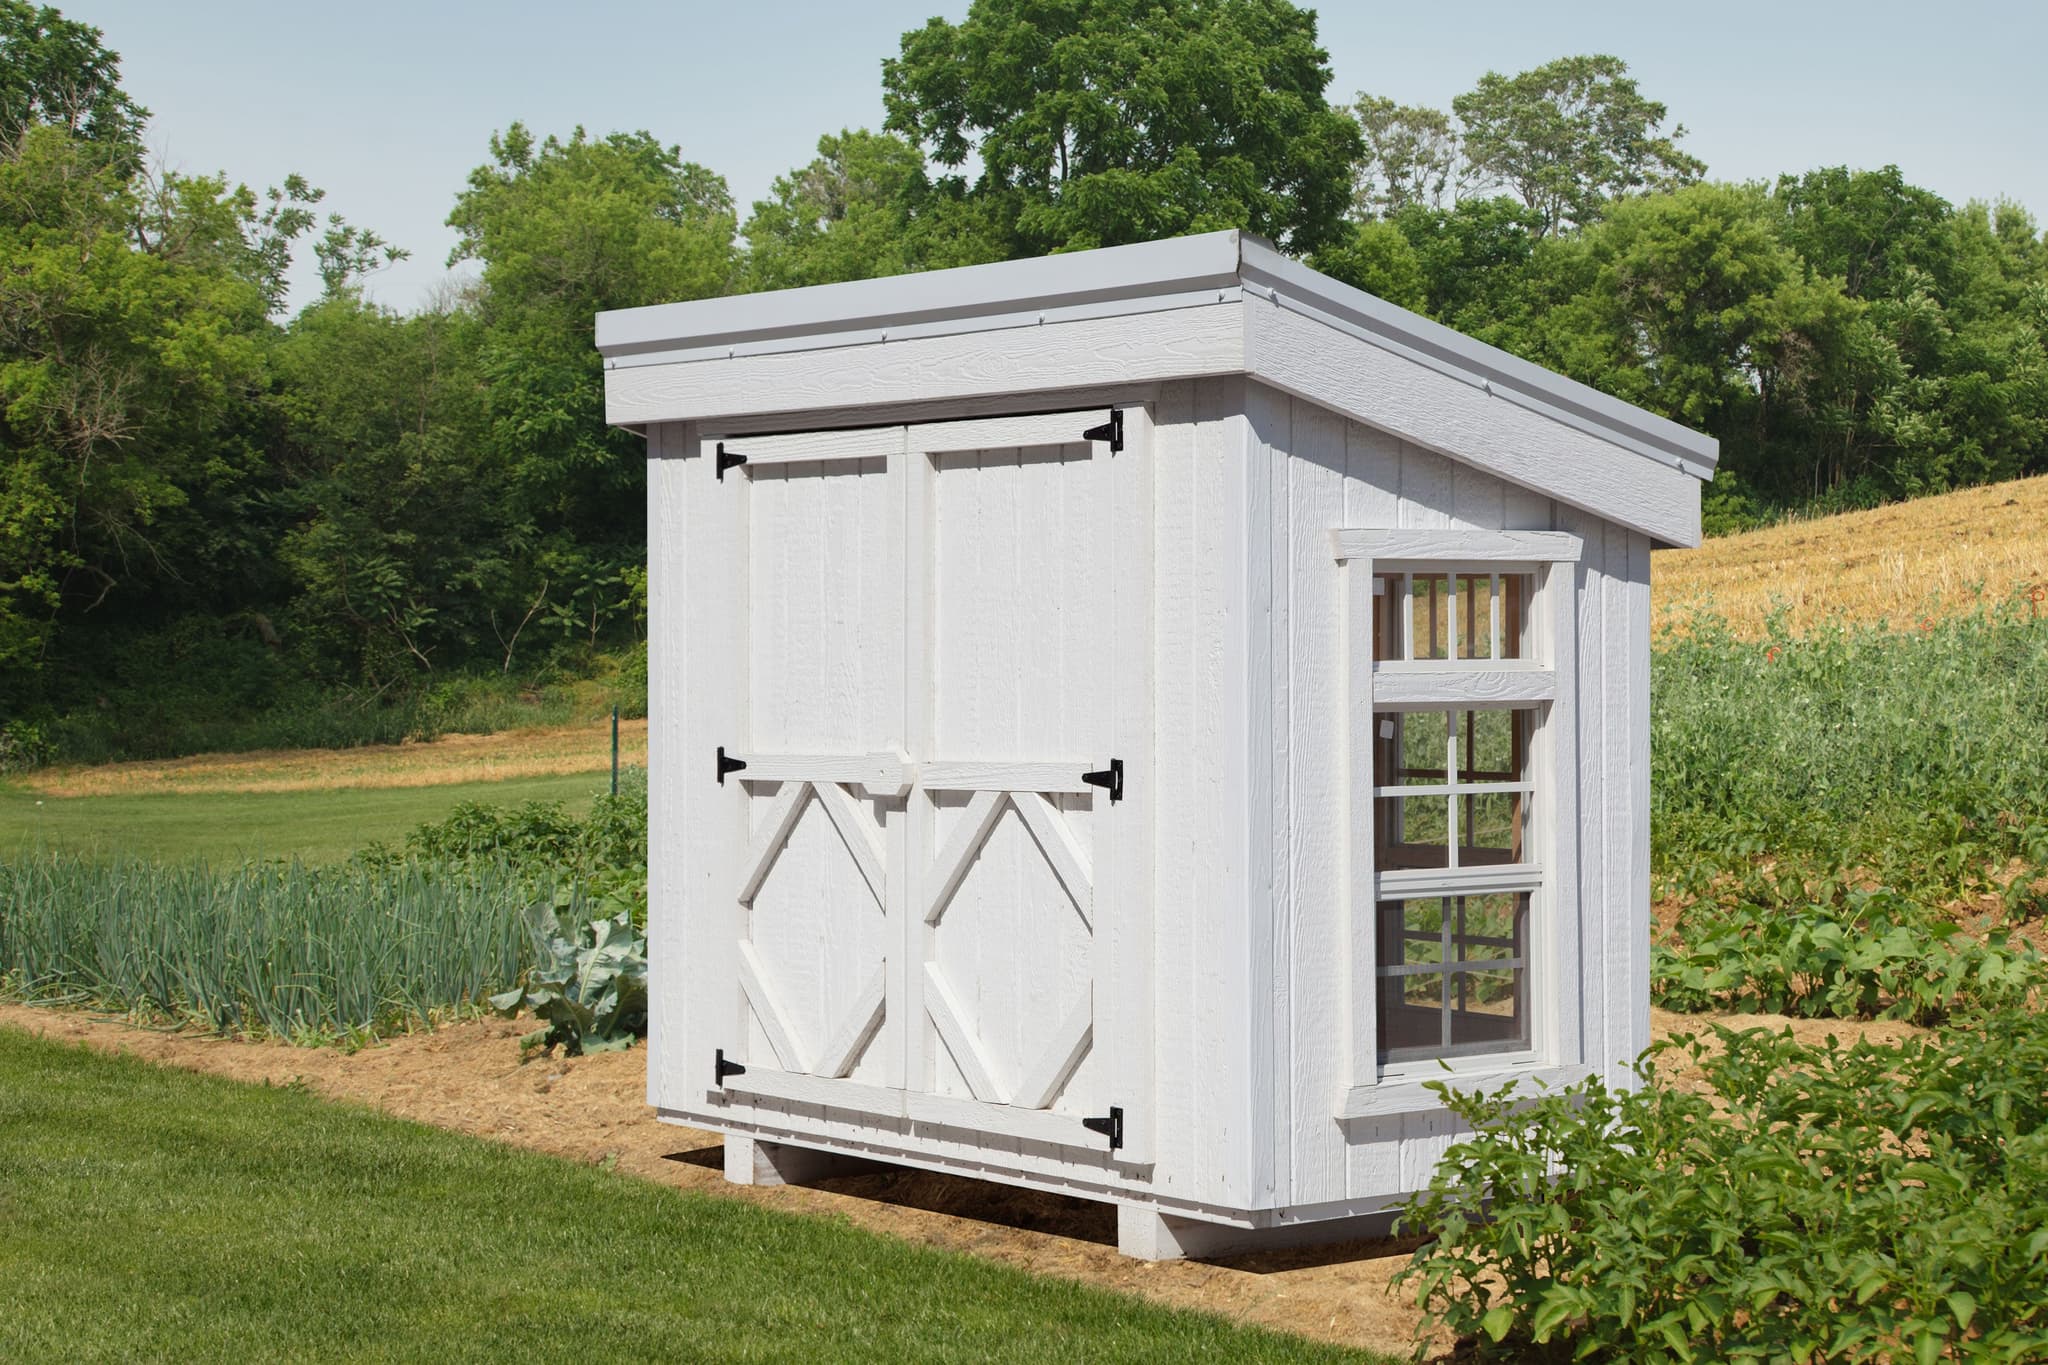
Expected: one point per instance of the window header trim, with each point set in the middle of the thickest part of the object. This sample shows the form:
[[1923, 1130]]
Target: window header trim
[[1472, 547]]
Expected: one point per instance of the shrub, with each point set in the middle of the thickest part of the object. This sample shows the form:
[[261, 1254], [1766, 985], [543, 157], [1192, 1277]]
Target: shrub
[[1813, 1203], [605, 852]]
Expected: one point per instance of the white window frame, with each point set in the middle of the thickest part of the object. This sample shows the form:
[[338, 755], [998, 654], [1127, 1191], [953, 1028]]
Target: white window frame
[[1545, 681]]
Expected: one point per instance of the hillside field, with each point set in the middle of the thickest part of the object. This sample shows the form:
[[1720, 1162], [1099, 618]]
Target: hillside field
[[1936, 556]]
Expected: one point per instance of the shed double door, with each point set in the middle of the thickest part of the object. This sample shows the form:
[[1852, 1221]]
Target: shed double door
[[942, 917]]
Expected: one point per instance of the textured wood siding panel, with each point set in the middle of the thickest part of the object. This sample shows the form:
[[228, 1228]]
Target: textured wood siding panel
[[1429, 409], [1206, 931], [1328, 471]]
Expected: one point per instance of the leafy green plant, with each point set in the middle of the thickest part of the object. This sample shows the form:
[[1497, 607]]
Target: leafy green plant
[[589, 982], [1875, 954], [605, 852], [1831, 1203]]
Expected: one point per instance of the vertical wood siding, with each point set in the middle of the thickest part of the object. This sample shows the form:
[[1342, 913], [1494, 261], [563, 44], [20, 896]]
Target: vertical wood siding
[[1324, 471]]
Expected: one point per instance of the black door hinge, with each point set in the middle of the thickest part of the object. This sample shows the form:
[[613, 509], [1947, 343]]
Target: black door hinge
[[728, 460], [1110, 1125], [1111, 431], [1111, 777], [726, 1068], [728, 765]]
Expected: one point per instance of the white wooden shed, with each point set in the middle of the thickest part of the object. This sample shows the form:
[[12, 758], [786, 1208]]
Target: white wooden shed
[[1123, 722]]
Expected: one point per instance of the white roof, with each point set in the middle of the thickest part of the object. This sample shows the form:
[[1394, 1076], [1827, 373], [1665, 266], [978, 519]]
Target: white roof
[[653, 354]]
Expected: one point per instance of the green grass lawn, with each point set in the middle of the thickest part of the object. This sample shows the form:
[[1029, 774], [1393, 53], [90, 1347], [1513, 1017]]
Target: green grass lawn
[[318, 826], [151, 1214]]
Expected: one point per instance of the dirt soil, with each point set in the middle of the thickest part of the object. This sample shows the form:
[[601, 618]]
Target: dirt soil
[[468, 1077]]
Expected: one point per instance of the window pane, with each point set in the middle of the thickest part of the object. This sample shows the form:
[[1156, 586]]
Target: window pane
[[1425, 748], [1488, 1014], [1386, 617], [1475, 616], [1432, 1002], [1493, 745], [1489, 928], [1412, 831], [1490, 829], [1430, 611], [1516, 590]]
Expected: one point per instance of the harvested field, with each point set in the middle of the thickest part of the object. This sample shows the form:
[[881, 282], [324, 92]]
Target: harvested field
[[1939, 555], [545, 752]]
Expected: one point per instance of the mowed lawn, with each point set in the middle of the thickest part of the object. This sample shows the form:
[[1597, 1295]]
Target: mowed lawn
[[153, 1214], [318, 826]]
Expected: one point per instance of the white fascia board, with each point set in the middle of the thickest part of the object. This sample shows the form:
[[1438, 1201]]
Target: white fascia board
[[927, 302], [1267, 273]]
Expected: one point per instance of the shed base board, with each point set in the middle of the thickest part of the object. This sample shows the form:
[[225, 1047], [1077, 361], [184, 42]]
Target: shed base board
[[1149, 1235], [750, 1161], [1143, 1232]]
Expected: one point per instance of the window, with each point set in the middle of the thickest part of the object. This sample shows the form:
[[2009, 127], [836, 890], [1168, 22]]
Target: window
[[1454, 682]]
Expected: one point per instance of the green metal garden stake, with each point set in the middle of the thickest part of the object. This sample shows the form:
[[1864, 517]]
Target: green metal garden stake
[[615, 751]]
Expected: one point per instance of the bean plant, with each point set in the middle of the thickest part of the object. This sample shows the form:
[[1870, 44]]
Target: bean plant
[[1914, 757]]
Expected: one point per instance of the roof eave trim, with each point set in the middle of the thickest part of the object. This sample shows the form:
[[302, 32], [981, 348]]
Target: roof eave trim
[[1002, 290], [1269, 275]]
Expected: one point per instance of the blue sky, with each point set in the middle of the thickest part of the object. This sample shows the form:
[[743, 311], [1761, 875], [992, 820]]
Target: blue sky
[[389, 105]]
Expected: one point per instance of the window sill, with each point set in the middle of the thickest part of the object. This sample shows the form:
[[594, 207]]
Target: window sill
[[1407, 1093]]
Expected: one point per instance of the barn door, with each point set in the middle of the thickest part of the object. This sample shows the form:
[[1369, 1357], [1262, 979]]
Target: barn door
[[812, 969], [941, 913], [1027, 985]]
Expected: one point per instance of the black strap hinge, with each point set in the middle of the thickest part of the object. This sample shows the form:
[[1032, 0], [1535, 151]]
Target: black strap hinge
[[726, 1068], [728, 765], [1111, 431], [1110, 1125], [728, 460], [1111, 777]]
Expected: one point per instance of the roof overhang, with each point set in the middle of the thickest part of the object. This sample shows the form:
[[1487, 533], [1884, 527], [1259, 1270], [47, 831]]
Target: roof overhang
[[1222, 303]]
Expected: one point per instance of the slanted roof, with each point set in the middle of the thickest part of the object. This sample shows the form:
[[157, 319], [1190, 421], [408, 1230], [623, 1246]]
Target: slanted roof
[[1216, 304]]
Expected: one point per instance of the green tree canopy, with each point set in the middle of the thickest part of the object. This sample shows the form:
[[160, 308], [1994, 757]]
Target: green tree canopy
[[57, 72], [865, 207], [1410, 155], [566, 229], [1568, 136], [1129, 120], [131, 375]]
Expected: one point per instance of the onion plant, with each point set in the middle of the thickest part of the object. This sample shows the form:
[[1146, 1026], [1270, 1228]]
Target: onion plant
[[282, 949]]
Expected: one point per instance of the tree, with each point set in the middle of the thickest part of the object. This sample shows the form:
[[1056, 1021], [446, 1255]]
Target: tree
[[56, 72], [1688, 304], [1129, 120], [566, 229], [1477, 260], [1378, 259], [132, 345], [1869, 229], [1568, 136], [1411, 156], [865, 207]]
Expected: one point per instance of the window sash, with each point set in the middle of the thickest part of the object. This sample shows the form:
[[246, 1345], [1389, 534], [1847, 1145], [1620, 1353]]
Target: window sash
[[1538, 680]]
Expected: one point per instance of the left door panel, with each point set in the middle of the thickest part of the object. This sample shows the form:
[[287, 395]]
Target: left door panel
[[807, 918]]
